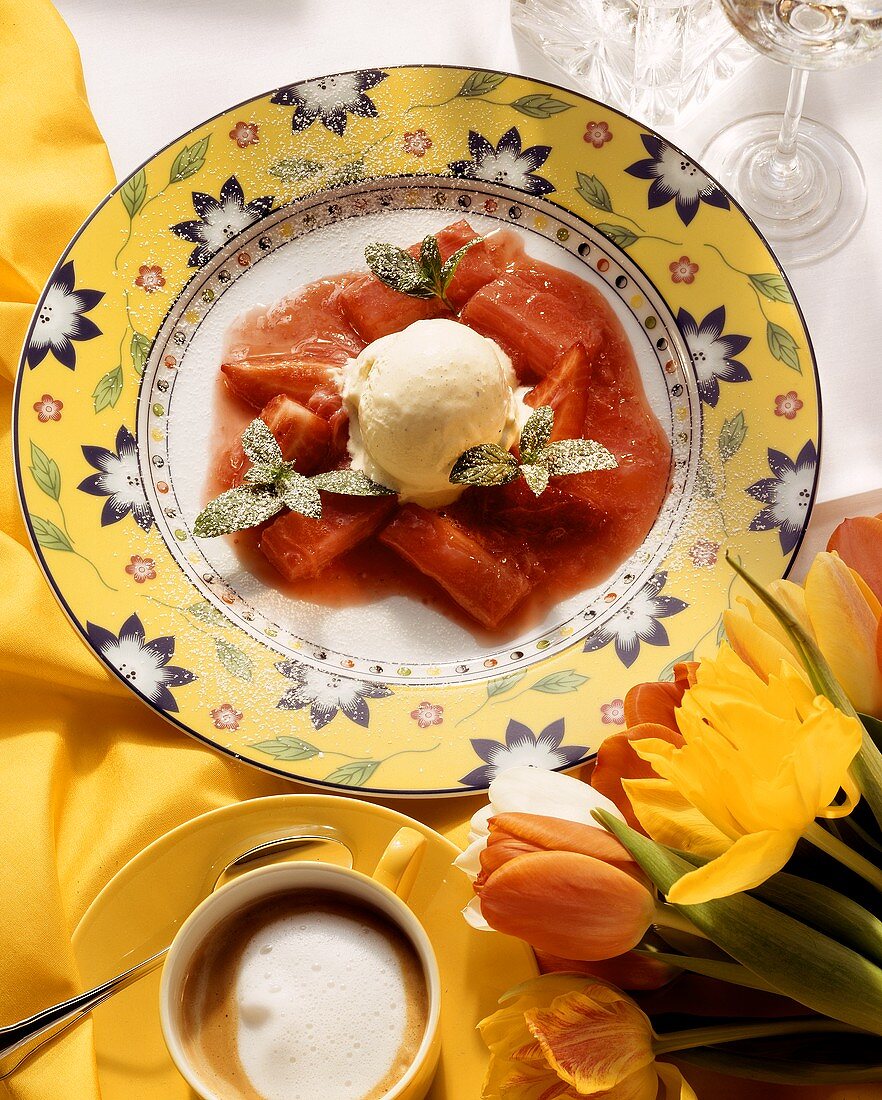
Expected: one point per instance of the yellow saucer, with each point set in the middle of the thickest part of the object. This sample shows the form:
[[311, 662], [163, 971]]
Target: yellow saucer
[[139, 910]]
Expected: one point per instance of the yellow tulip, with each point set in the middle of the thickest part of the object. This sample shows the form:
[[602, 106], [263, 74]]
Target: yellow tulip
[[760, 761], [562, 1037], [838, 610]]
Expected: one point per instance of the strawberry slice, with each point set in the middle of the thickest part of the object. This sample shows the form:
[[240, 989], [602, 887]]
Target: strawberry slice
[[300, 547], [486, 582], [303, 438], [257, 381], [566, 389]]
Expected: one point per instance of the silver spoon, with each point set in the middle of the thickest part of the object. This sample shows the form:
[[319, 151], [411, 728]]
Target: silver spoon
[[19, 1041]]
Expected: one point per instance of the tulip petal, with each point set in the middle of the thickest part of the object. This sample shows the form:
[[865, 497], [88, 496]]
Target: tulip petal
[[473, 916], [748, 863], [567, 904], [859, 543], [845, 627], [676, 1085], [759, 650], [524, 789], [653, 703], [669, 819], [617, 760], [555, 835], [599, 1042], [469, 861]]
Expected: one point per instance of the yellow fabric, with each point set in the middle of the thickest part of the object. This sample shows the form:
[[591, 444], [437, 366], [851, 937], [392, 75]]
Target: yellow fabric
[[88, 776]]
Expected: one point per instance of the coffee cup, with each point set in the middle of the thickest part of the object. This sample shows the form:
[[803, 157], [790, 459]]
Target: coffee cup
[[304, 980]]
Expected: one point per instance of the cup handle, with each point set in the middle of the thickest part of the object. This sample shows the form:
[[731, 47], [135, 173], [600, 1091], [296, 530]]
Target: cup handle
[[398, 866]]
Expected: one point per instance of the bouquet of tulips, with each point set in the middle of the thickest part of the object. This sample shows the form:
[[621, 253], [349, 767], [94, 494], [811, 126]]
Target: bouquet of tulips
[[724, 860]]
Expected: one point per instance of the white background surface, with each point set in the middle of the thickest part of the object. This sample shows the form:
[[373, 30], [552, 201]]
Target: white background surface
[[155, 68]]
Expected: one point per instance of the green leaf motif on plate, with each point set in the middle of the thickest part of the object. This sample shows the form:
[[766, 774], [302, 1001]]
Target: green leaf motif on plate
[[207, 613], [504, 683], [353, 774], [107, 392], [618, 234], [540, 106], [705, 480], [133, 192], [560, 683], [288, 748], [732, 435], [594, 193], [49, 535], [480, 83], [783, 346], [139, 349], [772, 286], [296, 169], [189, 160], [353, 171], [45, 472], [236, 662]]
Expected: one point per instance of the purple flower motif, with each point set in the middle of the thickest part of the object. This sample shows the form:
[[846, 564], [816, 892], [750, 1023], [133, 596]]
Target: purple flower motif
[[327, 693], [142, 664], [119, 480], [712, 353], [331, 99], [675, 177], [220, 220], [59, 320], [505, 163], [522, 746], [787, 496], [637, 622]]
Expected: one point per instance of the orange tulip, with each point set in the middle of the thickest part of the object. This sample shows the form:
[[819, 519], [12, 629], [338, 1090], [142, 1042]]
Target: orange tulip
[[859, 543], [617, 760], [561, 886], [657, 702]]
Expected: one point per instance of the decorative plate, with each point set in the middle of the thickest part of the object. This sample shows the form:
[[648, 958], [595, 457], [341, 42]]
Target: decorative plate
[[142, 906], [114, 411]]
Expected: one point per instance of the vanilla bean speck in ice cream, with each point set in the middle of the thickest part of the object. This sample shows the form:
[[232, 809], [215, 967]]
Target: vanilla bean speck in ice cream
[[420, 397]]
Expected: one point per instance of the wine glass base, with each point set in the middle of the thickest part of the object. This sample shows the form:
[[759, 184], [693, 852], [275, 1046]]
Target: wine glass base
[[821, 203]]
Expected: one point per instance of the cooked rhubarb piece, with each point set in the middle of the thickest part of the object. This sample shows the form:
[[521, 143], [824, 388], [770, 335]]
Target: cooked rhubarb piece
[[259, 380], [308, 325], [482, 263], [375, 310], [532, 324], [300, 547], [566, 388], [303, 438], [486, 582]]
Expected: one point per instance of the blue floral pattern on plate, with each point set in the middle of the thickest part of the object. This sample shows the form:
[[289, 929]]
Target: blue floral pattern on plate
[[118, 479], [331, 99], [638, 622], [675, 177], [522, 746], [506, 163], [787, 496], [712, 352], [143, 665], [327, 694], [59, 320], [220, 220]]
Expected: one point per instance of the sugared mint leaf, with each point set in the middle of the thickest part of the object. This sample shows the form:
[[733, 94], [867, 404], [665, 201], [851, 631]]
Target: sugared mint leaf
[[448, 268], [487, 464], [260, 445], [536, 477], [352, 483], [235, 510], [398, 270], [298, 494], [430, 260], [536, 433], [261, 473], [576, 456]]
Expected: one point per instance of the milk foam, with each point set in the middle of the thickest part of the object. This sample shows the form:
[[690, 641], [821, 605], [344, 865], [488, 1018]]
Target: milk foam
[[322, 1007]]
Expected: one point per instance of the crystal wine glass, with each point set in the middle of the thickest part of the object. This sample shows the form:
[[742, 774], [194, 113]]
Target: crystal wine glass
[[799, 180]]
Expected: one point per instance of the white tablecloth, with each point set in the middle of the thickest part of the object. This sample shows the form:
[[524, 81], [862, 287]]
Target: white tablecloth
[[154, 68]]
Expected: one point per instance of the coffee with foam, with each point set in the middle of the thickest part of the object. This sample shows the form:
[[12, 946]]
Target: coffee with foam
[[305, 996]]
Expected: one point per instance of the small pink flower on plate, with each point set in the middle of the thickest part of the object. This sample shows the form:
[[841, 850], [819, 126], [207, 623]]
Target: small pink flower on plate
[[786, 404], [245, 134], [226, 717], [704, 553], [597, 134], [48, 408], [141, 569], [417, 143], [613, 713], [150, 278], [428, 714], [683, 270]]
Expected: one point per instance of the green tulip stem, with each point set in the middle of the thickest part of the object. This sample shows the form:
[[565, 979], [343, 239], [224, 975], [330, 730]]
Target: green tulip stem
[[666, 916], [709, 1036], [840, 851]]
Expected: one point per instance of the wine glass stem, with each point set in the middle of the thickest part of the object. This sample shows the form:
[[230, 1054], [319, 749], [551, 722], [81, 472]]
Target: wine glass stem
[[783, 165]]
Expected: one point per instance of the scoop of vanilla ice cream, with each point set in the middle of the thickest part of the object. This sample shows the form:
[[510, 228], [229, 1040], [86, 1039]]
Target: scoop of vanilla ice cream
[[420, 397]]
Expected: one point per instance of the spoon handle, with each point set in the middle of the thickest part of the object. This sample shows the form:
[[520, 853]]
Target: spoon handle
[[19, 1041]]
